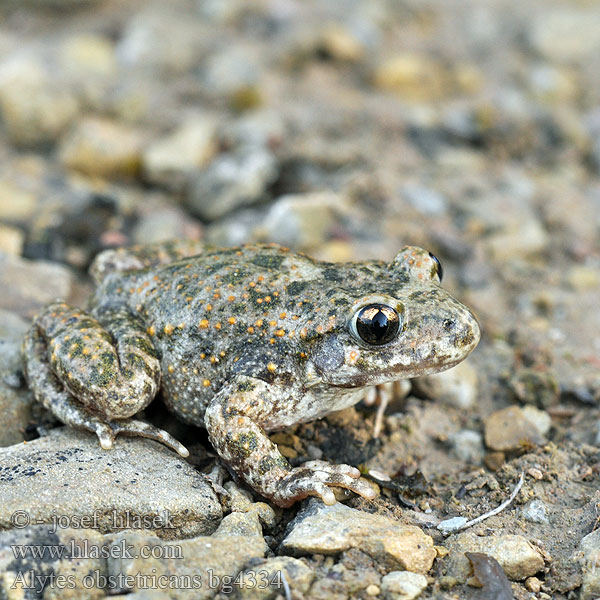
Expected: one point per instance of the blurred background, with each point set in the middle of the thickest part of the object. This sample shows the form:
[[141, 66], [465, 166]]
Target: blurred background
[[345, 129]]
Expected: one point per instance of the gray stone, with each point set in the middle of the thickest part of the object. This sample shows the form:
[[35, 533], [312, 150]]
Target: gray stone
[[589, 558], [321, 529], [468, 446], [103, 148], [170, 160], [67, 473], [566, 35], [148, 44], [457, 386], [16, 203], [517, 556], [208, 562], [229, 71], [270, 576], [536, 512], [11, 240], [34, 105], [403, 585], [15, 400], [29, 285], [302, 220], [231, 181], [257, 128], [62, 575], [425, 200], [508, 429]]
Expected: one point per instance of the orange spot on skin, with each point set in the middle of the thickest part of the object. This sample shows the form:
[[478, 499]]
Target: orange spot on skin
[[250, 329], [217, 325], [206, 382], [202, 355], [272, 323], [272, 340], [252, 284], [279, 332], [151, 330], [209, 307], [216, 295], [259, 323], [271, 367], [231, 320], [230, 298], [203, 324], [259, 300], [171, 369], [267, 298], [282, 315], [168, 329], [260, 278]]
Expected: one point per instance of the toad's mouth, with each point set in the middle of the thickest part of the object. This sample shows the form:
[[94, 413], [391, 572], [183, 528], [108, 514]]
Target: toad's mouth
[[425, 367]]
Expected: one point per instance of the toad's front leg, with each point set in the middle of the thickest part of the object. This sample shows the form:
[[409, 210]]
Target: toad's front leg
[[233, 420], [94, 372]]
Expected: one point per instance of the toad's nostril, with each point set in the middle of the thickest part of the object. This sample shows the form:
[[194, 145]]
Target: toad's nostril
[[448, 324]]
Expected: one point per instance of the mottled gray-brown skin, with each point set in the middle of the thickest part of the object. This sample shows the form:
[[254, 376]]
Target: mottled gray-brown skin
[[240, 341]]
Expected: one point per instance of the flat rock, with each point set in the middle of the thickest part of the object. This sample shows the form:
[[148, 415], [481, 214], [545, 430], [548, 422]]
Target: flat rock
[[321, 529], [60, 575], [29, 285], [68, 474], [209, 563], [517, 556]]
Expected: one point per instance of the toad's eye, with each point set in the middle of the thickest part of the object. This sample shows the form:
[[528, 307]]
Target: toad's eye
[[376, 324], [438, 266]]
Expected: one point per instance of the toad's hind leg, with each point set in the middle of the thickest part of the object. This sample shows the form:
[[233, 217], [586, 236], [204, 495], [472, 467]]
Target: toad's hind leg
[[76, 371]]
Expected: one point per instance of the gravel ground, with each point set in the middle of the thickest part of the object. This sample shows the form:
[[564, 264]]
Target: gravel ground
[[345, 130]]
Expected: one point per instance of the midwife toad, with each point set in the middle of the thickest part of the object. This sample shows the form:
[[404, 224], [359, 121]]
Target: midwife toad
[[242, 341]]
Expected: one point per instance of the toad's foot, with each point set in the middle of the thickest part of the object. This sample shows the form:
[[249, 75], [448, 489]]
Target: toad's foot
[[315, 478], [107, 432]]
